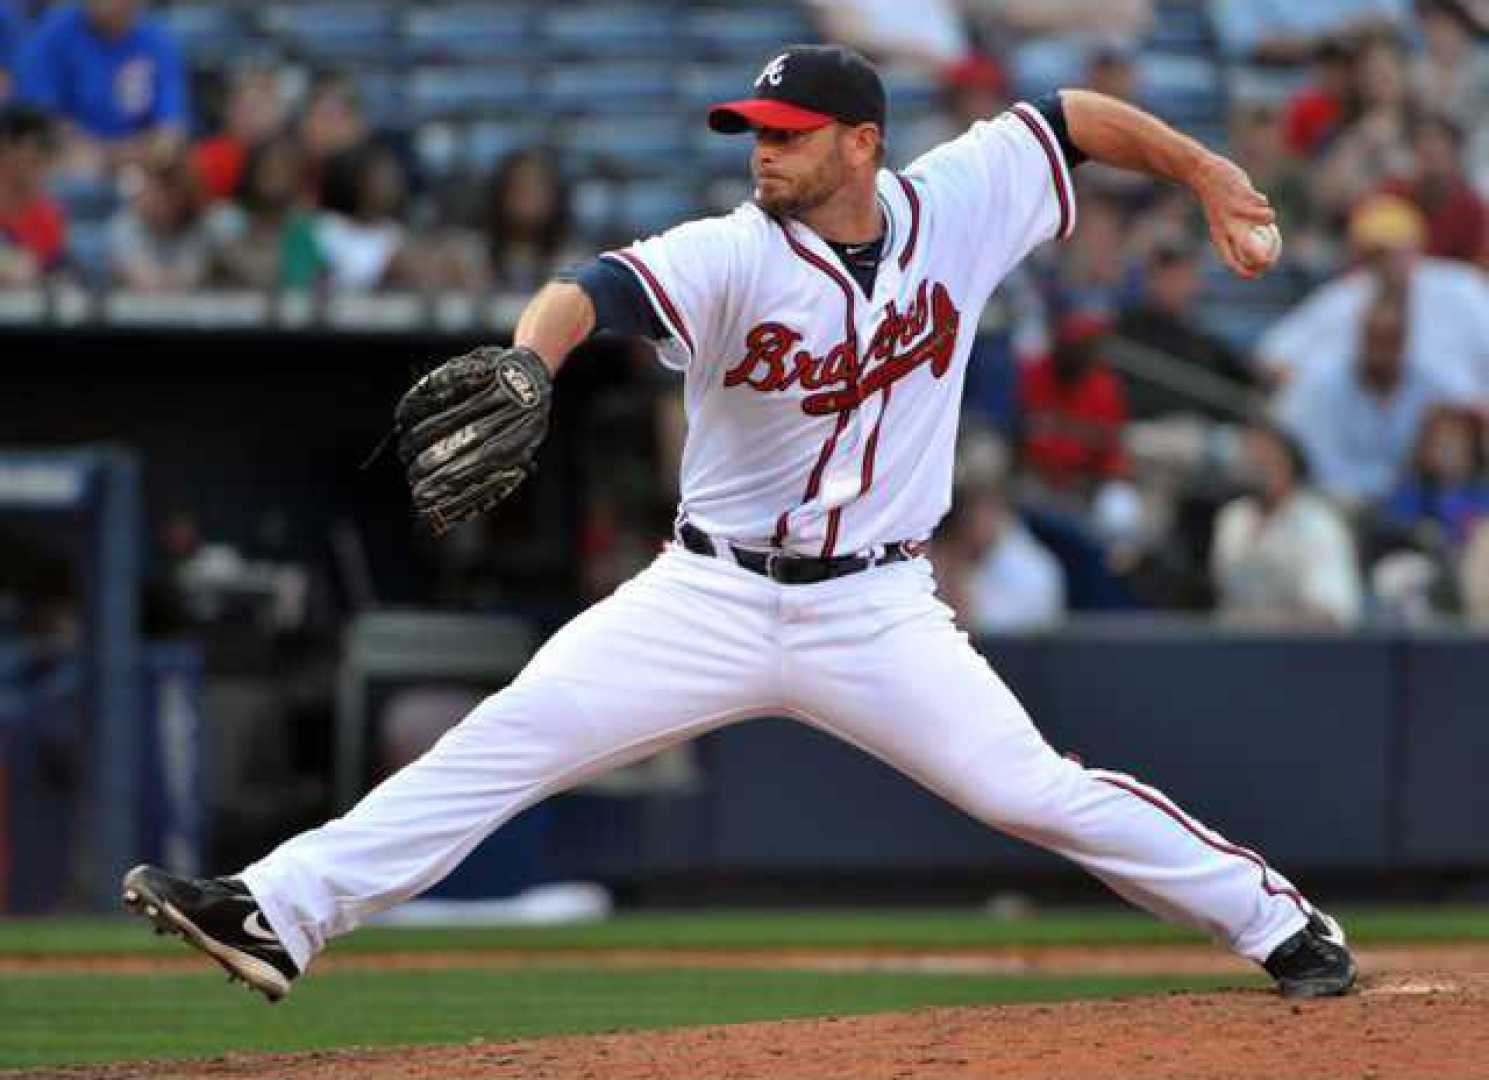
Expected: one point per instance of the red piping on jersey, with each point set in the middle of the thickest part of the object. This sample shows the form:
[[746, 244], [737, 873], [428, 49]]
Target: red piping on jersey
[[914, 201], [780, 536], [1132, 788], [850, 331], [867, 475], [873, 446], [1052, 155], [831, 540], [814, 482], [669, 310]]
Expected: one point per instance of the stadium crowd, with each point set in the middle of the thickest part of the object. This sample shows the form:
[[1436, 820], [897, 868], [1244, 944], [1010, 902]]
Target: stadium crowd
[[1141, 431]]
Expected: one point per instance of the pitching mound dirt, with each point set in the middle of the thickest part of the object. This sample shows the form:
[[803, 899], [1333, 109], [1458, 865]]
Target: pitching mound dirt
[[1424, 1024]]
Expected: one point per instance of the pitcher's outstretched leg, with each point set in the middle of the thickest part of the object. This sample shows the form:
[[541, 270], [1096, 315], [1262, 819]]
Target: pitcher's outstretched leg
[[921, 698], [673, 653]]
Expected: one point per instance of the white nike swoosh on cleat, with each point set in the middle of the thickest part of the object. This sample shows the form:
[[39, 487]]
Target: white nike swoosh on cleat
[[255, 927], [1334, 932]]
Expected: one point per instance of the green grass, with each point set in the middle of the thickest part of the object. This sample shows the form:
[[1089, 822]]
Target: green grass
[[762, 930], [72, 1019], [50, 1019]]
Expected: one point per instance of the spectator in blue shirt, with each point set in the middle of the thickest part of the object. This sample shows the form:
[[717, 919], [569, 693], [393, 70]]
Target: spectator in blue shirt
[[1359, 420], [1445, 495], [113, 73], [12, 30]]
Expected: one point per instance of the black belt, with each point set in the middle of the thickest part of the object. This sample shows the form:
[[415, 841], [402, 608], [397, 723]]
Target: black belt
[[794, 569]]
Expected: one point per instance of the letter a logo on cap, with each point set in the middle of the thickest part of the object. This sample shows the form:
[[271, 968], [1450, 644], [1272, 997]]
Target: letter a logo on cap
[[774, 71]]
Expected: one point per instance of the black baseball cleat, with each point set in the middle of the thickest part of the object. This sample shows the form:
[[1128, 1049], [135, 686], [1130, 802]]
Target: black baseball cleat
[[218, 916], [1314, 962]]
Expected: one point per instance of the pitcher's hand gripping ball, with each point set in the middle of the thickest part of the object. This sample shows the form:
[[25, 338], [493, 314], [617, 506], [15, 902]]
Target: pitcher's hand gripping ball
[[469, 431], [1264, 245]]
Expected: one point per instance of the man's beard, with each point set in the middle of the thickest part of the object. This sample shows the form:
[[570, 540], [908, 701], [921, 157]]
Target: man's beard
[[809, 194]]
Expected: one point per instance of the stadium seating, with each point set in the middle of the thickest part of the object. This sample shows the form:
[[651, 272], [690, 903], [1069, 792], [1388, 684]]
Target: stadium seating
[[466, 32], [609, 31], [335, 32], [619, 88]]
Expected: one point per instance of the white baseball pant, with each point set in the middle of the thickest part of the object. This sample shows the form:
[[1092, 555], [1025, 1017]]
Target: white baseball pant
[[693, 643]]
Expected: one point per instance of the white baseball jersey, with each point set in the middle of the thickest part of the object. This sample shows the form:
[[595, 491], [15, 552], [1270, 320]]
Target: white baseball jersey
[[822, 420]]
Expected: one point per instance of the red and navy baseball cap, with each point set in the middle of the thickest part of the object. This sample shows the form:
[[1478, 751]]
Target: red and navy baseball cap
[[807, 87]]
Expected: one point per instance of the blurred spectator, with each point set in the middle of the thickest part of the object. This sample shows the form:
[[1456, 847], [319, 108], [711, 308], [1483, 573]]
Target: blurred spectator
[[1474, 582], [1315, 112], [1258, 145], [929, 35], [1074, 410], [1092, 272], [1358, 422], [1447, 304], [12, 33], [159, 241], [1288, 31], [1173, 216], [1012, 330], [361, 231], [332, 122], [1456, 219], [1374, 144], [1446, 492], [974, 88], [266, 240], [989, 568], [255, 112], [530, 221], [1450, 74], [113, 73], [1111, 69], [1164, 319], [33, 231], [1281, 555], [526, 229]]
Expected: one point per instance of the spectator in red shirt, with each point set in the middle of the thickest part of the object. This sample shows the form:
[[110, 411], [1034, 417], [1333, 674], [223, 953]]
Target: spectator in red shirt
[[1074, 411], [254, 114], [33, 234], [1315, 112], [1455, 215]]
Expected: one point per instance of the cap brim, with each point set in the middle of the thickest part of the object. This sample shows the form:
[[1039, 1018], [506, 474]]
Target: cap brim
[[734, 117]]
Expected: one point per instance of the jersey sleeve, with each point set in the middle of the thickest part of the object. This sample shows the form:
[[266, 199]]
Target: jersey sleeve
[[686, 274], [621, 305], [1008, 184]]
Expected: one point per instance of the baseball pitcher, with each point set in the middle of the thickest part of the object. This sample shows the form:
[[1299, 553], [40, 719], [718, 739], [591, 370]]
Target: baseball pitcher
[[823, 330]]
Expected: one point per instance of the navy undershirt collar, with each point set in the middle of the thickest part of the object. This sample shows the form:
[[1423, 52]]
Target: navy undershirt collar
[[861, 260]]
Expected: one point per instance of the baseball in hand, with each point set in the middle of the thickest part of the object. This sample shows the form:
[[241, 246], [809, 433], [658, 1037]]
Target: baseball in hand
[[1263, 245]]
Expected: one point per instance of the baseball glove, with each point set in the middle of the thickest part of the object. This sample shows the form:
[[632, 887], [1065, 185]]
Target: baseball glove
[[469, 430]]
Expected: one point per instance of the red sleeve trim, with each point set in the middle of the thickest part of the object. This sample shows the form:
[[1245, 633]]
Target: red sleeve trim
[[914, 200], [1056, 164]]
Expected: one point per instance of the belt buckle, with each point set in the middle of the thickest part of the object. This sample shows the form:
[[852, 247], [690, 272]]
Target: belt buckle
[[772, 560]]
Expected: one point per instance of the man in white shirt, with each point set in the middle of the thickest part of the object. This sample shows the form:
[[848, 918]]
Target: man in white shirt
[[1282, 555], [1447, 306], [1359, 419]]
